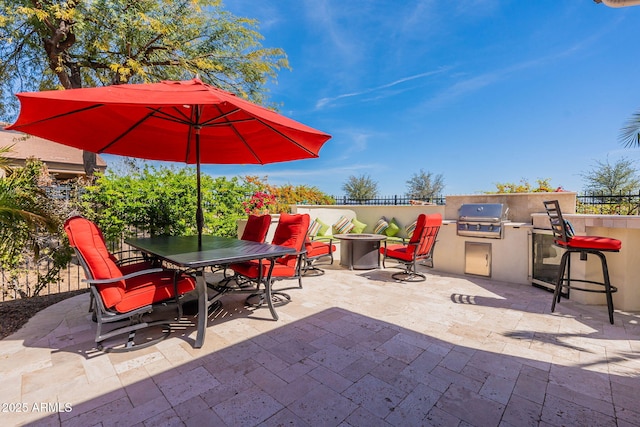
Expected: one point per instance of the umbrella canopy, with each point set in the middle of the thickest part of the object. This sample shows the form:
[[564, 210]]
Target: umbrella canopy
[[184, 121]]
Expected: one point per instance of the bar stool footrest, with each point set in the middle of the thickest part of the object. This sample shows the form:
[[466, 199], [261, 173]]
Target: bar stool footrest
[[576, 288]]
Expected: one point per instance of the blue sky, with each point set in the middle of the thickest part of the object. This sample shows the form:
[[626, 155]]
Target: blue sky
[[480, 91]]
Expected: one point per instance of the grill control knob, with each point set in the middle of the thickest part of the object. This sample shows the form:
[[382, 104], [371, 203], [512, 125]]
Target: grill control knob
[[478, 227], [490, 227]]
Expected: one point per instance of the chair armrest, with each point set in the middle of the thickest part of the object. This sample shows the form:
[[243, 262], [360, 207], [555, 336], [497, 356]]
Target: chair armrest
[[125, 277], [298, 254], [329, 239]]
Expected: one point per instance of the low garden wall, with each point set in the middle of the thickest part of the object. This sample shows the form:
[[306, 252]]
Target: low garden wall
[[369, 214]]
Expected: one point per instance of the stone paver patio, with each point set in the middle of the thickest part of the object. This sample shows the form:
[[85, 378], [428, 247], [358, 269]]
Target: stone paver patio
[[352, 348]]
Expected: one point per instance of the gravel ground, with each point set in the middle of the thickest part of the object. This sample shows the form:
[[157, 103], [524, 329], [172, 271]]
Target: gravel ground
[[15, 313]]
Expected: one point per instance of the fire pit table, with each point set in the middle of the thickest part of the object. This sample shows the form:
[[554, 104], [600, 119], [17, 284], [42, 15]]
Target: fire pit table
[[360, 251]]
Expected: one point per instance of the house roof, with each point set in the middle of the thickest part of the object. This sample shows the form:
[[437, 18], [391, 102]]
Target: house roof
[[60, 159]]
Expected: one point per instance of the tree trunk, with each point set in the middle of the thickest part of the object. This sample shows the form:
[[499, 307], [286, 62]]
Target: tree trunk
[[68, 72]]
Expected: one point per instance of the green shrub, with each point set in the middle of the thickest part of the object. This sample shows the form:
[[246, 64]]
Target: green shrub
[[163, 201]]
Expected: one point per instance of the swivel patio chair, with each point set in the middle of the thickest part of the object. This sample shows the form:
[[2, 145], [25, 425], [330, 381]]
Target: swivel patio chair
[[584, 245], [255, 230], [124, 297], [418, 249], [316, 251], [290, 232]]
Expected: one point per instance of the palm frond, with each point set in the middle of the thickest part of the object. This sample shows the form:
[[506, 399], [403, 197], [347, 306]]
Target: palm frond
[[630, 133]]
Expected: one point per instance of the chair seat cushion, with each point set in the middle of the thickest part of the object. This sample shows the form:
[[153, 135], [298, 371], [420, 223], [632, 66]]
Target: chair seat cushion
[[251, 269], [592, 242], [397, 251], [315, 249], [152, 288]]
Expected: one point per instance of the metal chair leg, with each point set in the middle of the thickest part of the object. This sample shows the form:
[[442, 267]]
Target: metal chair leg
[[565, 269], [607, 285], [559, 283]]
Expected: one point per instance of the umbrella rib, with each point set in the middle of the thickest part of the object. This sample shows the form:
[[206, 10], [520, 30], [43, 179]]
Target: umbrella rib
[[267, 125], [222, 116], [125, 133], [238, 134], [166, 116], [231, 122], [294, 142], [57, 116]]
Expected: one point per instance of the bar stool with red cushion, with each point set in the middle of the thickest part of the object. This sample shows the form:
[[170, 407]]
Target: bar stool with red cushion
[[584, 245]]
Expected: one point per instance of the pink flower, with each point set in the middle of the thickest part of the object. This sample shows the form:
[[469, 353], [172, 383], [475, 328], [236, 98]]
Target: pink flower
[[259, 203]]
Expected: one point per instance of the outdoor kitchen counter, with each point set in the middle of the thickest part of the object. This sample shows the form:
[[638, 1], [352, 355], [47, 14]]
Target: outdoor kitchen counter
[[624, 268], [509, 255]]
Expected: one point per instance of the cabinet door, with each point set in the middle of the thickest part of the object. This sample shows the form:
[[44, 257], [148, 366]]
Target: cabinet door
[[477, 258]]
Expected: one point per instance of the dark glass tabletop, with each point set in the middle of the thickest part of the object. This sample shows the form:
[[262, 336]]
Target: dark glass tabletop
[[184, 251]]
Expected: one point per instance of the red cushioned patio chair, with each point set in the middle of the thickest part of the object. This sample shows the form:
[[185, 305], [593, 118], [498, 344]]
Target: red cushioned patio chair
[[127, 265], [290, 232], [255, 230], [123, 297], [419, 248], [316, 251], [564, 237]]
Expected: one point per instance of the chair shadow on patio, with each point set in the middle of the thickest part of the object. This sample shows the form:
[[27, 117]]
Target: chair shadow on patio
[[386, 274], [233, 307], [592, 322], [327, 368]]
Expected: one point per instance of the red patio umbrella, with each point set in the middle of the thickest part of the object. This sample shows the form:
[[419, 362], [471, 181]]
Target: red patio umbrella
[[185, 121]]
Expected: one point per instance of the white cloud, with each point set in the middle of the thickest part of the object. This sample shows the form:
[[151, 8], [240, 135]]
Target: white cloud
[[327, 101]]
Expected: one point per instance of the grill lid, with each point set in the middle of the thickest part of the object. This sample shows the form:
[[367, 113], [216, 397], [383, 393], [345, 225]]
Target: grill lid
[[483, 212]]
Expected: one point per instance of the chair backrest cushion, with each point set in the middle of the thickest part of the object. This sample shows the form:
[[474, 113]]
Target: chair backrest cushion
[[425, 234], [291, 232], [87, 239], [256, 228], [419, 229], [432, 225]]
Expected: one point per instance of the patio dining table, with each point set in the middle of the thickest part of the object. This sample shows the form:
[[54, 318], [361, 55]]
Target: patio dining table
[[185, 252]]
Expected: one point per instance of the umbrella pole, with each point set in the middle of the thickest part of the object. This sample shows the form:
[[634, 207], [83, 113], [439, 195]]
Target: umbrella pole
[[199, 213]]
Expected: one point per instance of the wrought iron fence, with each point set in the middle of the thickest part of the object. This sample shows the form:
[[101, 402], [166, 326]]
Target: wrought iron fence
[[69, 279], [608, 204], [63, 191], [24, 285], [388, 200]]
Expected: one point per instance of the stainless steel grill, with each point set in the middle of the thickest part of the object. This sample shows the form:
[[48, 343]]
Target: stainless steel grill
[[482, 220]]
